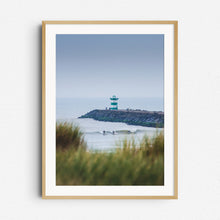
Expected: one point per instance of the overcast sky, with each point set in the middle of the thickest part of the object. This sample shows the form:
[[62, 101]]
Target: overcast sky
[[103, 65]]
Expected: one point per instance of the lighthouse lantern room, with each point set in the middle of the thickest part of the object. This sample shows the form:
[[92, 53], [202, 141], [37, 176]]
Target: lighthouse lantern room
[[114, 103]]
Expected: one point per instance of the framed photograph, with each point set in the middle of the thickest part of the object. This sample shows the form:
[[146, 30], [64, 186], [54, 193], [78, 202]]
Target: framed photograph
[[109, 110]]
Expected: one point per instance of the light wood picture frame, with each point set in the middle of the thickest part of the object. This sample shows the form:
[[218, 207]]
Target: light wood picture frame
[[169, 32]]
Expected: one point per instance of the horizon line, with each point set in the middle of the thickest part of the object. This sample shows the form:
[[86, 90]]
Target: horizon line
[[116, 95]]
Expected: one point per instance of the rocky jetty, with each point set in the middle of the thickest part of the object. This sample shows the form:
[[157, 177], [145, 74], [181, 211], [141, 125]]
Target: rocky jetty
[[131, 117]]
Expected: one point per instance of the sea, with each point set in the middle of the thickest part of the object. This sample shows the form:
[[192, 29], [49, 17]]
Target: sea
[[106, 136]]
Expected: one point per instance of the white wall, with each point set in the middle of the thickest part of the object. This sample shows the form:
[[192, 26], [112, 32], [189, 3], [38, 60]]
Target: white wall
[[20, 109]]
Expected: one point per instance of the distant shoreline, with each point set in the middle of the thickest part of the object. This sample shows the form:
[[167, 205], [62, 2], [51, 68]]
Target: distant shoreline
[[129, 116]]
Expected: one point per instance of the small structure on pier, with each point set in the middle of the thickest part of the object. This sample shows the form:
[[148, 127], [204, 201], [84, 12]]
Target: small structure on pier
[[114, 103]]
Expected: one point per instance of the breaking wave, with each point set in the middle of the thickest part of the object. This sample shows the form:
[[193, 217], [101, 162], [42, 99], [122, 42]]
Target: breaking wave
[[115, 132]]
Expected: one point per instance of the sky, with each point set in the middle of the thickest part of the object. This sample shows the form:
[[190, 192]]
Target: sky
[[105, 65]]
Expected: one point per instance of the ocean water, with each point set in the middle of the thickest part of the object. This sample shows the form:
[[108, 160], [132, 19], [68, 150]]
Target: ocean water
[[105, 135]]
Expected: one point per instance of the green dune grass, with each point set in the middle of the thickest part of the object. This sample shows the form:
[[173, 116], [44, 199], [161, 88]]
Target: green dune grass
[[69, 137], [132, 163]]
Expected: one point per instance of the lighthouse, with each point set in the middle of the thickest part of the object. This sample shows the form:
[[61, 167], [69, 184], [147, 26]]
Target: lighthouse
[[114, 103]]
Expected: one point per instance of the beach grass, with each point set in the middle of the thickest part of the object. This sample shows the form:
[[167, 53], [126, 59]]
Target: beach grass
[[69, 136], [132, 163]]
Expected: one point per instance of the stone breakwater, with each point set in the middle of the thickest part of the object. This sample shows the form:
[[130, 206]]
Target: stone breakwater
[[131, 117]]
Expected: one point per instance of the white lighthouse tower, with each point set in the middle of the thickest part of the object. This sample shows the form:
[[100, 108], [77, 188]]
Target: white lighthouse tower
[[114, 103]]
